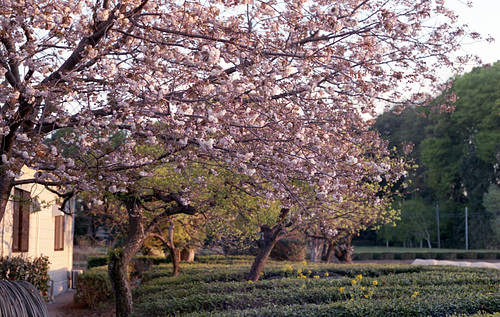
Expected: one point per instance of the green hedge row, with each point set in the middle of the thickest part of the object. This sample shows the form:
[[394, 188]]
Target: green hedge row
[[465, 255], [302, 289], [96, 261]]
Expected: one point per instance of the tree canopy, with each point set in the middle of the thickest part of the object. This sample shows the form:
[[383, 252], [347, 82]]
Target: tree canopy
[[457, 153], [268, 90]]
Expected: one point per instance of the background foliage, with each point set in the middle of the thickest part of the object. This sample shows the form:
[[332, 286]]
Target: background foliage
[[457, 157]]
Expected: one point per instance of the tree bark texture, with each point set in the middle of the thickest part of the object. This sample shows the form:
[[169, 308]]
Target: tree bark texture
[[187, 255], [117, 268], [329, 252], [175, 255], [266, 244], [316, 250], [5, 189]]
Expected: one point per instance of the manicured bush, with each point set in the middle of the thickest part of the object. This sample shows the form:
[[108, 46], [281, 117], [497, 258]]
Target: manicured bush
[[466, 255], [487, 255], [383, 256], [96, 261], [34, 270], [426, 255], [93, 287], [318, 289], [363, 256], [289, 250], [404, 256], [446, 256]]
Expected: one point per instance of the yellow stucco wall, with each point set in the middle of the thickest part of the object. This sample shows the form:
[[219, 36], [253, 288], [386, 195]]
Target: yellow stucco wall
[[42, 234]]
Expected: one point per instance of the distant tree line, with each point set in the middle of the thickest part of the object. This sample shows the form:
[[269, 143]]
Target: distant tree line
[[456, 156]]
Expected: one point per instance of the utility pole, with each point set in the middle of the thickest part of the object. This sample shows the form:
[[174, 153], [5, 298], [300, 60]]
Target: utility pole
[[437, 218], [466, 231]]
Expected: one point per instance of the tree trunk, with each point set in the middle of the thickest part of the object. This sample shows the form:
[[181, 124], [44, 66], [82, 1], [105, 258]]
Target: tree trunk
[[316, 250], [342, 248], [5, 189], [266, 245], [187, 255], [329, 252], [174, 252], [169, 245], [117, 268], [175, 256], [428, 238]]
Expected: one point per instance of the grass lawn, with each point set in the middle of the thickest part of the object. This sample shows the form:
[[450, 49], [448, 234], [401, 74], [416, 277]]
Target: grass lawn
[[218, 288]]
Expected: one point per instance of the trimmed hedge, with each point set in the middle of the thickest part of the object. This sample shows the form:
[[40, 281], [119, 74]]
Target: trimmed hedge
[[289, 250], [96, 261], [439, 255], [318, 289]]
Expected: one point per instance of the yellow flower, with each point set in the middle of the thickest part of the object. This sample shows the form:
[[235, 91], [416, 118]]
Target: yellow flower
[[353, 282], [316, 276], [415, 294], [250, 281], [363, 288], [304, 262], [309, 272], [341, 289], [359, 277], [303, 286], [366, 296], [299, 271], [326, 274], [375, 283]]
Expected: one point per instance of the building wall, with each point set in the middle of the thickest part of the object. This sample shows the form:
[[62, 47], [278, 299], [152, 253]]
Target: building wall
[[42, 236]]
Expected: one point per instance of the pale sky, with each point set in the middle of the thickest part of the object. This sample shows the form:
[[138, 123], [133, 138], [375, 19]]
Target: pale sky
[[484, 18]]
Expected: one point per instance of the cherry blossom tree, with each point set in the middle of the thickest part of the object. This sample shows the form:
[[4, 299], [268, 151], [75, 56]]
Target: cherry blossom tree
[[271, 90]]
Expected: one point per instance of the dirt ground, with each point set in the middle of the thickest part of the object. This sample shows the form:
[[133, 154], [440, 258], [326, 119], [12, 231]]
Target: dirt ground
[[63, 306]]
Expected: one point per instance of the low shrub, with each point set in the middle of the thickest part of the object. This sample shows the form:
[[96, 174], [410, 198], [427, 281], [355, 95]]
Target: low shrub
[[466, 255], [404, 256], [363, 256], [289, 250], [96, 261], [35, 271], [446, 256], [487, 255], [318, 289], [383, 256], [426, 255], [93, 287]]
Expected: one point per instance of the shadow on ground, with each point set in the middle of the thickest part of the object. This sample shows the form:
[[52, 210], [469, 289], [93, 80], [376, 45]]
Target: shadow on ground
[[63, 306]]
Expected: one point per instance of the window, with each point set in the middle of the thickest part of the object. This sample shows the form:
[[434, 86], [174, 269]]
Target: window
[[59, 233], [21, 230]]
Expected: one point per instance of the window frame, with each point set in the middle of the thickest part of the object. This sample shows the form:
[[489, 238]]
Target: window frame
[[21, 220], [59, 222]]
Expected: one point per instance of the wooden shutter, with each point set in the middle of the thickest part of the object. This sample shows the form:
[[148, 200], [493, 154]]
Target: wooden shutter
[[59, 233], [21, 223], [25, 232]]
